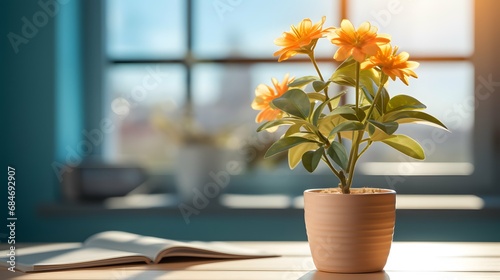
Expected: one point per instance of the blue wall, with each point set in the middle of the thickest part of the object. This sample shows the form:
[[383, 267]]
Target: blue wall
[[28, 91]]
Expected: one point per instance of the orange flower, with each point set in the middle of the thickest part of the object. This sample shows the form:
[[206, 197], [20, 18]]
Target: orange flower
[[391, 64], [264, 95], [300, 39], [358, 43]]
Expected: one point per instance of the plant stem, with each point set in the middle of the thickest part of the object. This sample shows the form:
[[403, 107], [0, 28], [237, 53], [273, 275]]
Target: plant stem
[[313, 60], [354, 156], [325, 90], [365, 149], [351, 153], [355, 135], [339, 137], [332, 168], [358, 70], [325, 140], [383, 79]]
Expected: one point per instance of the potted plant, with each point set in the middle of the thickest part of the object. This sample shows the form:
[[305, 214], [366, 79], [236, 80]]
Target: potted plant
[[349, 229]]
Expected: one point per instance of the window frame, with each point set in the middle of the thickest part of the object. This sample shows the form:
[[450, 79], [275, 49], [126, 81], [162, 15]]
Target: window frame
[[480, 181]]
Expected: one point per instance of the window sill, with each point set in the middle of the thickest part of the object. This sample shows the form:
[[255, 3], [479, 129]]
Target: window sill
[[236, 204]]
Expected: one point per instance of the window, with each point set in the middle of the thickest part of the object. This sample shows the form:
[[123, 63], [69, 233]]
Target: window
[[182, 73], [441, 37], [442, 41]]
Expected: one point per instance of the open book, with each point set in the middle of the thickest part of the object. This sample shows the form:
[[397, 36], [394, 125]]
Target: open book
[[116, 247]]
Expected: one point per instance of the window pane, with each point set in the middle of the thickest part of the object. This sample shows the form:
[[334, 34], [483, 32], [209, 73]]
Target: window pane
[[424, 27], [448, 91], [145, 103], [248, 28], [147, 28], [222, 94]]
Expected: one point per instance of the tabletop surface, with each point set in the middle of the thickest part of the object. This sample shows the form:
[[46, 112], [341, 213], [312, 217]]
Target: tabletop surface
[[407, 260]]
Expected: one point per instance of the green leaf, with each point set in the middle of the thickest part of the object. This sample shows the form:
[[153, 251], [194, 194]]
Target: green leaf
[[347, 126], [344, 81], [360, 114], [294, 102], [320, 85], [334, 101], [370, 78], [311, 159], [338, 153], [413, 117], [406, 145], [346, 72], [317, 113], [302, 81], [377, 134], [347, 112], [274, 123], [307, 135], [316, 96], [285, 144], [404, 102], [288, 121], [319, 109], [295, 153], [383, 100], [343, 110], [327, 123], [369, 95], [293, 129], [388, 127], [312, 104]]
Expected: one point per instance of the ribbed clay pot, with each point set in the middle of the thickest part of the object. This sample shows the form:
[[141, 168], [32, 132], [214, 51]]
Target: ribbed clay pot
[[350, 233]]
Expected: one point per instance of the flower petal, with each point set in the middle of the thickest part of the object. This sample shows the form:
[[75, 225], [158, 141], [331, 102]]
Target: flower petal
[[347, 26], [342, 53], [358, 55], [300, 38], [361, 42], [366, 27], [265, 94]]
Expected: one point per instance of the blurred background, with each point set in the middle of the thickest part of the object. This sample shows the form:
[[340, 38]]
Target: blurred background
[[135, 115]]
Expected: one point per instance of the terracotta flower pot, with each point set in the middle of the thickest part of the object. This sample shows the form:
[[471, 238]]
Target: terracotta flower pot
[[350, 233]]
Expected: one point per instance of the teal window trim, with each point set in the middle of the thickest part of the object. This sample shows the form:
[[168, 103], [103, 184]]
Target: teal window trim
[[69, 110]]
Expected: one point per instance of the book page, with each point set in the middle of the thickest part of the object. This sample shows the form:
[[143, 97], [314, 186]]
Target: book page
[[212, 250], [123, 241], [158, 248], [69, 255]]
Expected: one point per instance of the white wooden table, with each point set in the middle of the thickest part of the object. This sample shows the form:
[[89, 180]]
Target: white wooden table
[[407, 261]]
